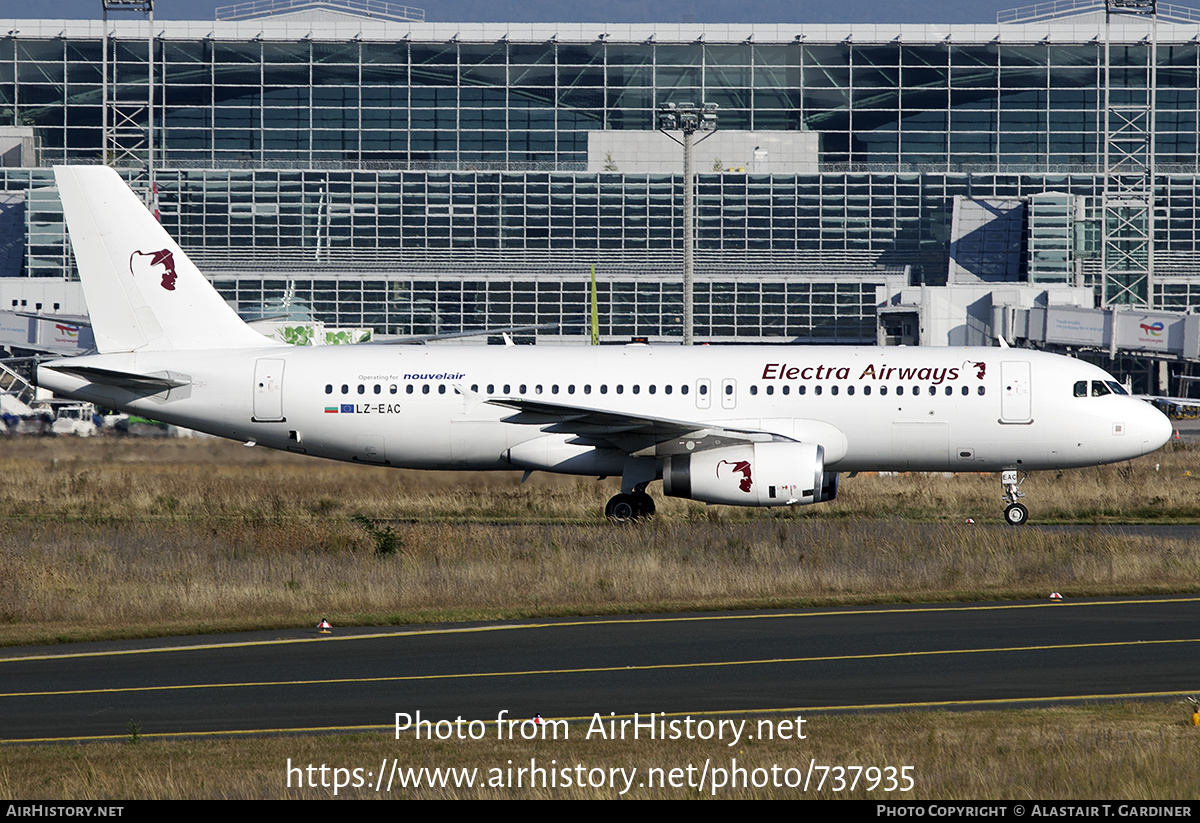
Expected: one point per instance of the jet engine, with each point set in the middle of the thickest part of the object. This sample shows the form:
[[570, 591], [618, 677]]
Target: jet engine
[[754, 474]]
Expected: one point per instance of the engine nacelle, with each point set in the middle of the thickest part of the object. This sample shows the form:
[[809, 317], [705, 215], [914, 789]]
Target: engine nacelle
[[755, 474]]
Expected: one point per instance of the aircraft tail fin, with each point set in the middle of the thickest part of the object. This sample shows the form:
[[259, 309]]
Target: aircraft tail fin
[[142, 291]]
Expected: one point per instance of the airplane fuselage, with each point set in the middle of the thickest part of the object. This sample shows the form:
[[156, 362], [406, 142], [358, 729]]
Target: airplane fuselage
[[427, 407]]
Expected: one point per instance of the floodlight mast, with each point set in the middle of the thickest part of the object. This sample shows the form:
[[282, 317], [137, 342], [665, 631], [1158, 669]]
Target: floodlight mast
[[112, 151], [688, 119]]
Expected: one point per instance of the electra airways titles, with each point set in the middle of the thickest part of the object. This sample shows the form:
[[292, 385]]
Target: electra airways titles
[[743, 426]]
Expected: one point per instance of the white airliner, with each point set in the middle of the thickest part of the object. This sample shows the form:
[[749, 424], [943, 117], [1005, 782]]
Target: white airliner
[[745, 426]]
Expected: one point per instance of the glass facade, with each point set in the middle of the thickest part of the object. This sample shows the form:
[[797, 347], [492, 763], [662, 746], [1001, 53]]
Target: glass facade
[[316, 154], [727, 310], [511, 104]]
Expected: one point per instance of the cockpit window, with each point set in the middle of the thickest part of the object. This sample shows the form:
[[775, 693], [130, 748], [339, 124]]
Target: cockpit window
[[1116, 387], [1081, 388], [1099, 389]]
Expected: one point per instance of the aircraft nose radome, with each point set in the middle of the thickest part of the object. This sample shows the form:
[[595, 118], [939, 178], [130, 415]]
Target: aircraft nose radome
[[1156, 429]]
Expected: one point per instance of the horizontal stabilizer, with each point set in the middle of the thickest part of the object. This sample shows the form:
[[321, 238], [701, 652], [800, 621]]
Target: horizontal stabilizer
[[71, 319], [121, 379]]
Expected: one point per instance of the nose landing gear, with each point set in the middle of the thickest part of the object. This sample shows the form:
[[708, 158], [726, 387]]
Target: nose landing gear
[[1015, 514]]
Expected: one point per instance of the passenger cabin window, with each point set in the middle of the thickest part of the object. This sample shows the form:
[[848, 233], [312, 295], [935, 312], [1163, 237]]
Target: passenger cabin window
[[329, 388]]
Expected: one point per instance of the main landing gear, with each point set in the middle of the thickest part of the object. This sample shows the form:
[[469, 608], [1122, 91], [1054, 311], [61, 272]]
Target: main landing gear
[[625, 508], [633, 503], [1015, 514]]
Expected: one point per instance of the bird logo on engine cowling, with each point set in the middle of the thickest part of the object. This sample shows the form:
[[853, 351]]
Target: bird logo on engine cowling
[[741, 467]]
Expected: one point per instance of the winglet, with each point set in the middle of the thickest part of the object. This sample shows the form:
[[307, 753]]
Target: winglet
[[142, 291]]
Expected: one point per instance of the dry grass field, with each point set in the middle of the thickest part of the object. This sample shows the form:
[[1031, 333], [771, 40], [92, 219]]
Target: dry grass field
[[1141, 751], [122, 538], [137, 537]]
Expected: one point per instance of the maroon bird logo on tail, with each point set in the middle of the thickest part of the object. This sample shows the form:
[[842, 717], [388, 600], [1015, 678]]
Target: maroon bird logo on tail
[[139, 264]]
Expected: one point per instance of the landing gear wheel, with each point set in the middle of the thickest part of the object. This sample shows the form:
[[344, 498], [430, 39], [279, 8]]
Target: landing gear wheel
[[1016, 515], [644, 503], [625, 508], [622, 509]]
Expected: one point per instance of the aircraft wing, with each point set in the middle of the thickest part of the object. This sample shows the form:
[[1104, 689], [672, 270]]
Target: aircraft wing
[[638, 435]]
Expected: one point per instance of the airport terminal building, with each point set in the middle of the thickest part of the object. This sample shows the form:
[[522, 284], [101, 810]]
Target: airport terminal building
[[428, 177]]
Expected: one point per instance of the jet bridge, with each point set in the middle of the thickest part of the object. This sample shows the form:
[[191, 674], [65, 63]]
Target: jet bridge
[[1117, 330]]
